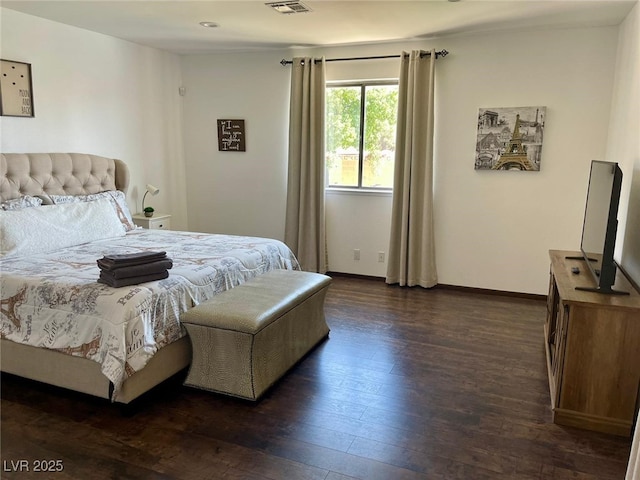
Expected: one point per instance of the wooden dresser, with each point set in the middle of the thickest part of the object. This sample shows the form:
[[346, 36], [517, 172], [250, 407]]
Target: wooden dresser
[[592, 344]]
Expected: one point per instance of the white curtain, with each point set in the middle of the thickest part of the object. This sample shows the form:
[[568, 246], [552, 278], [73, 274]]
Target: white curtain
[[305, 218], [633, 469], [411, 246]]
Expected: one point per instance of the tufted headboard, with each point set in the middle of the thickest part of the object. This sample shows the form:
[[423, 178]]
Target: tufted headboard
[[59, 174]]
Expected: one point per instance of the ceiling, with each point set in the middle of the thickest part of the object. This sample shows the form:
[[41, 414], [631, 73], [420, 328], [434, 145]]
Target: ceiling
[[246, 25]]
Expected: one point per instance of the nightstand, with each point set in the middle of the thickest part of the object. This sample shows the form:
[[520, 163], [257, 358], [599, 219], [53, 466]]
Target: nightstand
[[159, 221]]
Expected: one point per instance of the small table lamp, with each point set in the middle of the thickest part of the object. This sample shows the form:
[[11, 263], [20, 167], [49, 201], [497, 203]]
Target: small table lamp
[[150, 189]]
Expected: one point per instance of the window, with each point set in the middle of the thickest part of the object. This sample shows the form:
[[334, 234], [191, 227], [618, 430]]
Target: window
[[361, 134]]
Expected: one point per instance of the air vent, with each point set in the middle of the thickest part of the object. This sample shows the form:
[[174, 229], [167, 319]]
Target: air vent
[[288, 8]]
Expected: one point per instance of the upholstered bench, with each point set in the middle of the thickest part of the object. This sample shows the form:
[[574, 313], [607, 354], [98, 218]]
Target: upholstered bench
[[246, 338]]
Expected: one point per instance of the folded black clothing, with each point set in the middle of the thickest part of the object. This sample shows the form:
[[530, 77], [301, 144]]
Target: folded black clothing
[[108, 262], [126, 257], [123, 282], [138, 270]]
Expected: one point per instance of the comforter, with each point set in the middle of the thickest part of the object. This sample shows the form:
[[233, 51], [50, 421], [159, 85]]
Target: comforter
[[53, 300]]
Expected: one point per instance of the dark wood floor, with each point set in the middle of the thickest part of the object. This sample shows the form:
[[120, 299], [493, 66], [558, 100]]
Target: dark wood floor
[[412, 383]]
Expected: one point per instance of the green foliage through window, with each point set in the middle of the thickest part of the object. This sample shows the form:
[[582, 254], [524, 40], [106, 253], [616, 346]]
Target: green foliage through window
[[361, 134]]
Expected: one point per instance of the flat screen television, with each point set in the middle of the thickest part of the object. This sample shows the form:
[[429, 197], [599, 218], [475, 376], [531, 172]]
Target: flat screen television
[[601, 224]]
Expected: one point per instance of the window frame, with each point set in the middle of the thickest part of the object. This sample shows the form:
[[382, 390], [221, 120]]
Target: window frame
[[363, 84]]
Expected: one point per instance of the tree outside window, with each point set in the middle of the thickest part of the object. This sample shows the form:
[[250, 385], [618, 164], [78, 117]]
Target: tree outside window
[[361, 134]]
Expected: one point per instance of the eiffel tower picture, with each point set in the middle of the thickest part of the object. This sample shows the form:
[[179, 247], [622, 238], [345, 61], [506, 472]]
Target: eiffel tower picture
[[510, 138], [515, 157]]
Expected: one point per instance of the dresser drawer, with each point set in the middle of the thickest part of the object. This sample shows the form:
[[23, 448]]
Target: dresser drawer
[[157, 222]]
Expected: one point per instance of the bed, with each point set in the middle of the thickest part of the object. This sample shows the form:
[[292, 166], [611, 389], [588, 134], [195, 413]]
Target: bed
[[58, 325]]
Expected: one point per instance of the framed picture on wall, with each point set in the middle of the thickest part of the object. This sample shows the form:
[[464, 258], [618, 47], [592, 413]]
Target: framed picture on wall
[[231, 135], [510, 138], [16, 90]]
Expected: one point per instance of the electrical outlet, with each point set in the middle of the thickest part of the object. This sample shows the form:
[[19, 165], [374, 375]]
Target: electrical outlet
[[381, 257], [356, 254]]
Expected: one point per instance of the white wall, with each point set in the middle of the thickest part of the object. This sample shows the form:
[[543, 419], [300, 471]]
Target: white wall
[[493, 229], [624, 141], [242, 193], [362, 222], [100, 95], [624, 146]]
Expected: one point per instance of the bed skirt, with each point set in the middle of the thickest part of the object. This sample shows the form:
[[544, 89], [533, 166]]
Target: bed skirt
[[83, 375]]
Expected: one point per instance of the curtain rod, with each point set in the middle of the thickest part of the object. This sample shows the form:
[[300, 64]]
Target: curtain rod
[[441, 53]]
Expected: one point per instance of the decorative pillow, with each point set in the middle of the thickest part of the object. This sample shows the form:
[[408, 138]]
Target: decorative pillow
[[116, 197], [22, 202], [53, 227]]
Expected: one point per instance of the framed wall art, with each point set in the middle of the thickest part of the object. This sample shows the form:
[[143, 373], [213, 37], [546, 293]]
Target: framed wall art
[[510, 138], [16, 89], [231, 137]]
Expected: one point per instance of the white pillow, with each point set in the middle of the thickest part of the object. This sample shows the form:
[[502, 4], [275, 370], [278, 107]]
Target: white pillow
[[53, 227], [25, 201], [117, 198]]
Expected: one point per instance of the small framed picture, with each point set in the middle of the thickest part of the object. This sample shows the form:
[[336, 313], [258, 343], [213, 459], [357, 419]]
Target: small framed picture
[[16, 91], [231, 135]]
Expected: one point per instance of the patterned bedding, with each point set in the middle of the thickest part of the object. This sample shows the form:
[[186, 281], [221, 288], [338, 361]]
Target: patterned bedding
[[54, 301]]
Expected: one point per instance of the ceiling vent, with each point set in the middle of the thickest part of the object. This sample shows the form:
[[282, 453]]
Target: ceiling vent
[[288, 8]]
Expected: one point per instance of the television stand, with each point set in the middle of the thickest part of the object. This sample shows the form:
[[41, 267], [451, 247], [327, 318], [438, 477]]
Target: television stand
[[603, 291], [591, 347], [579, 257], [596, 289]]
